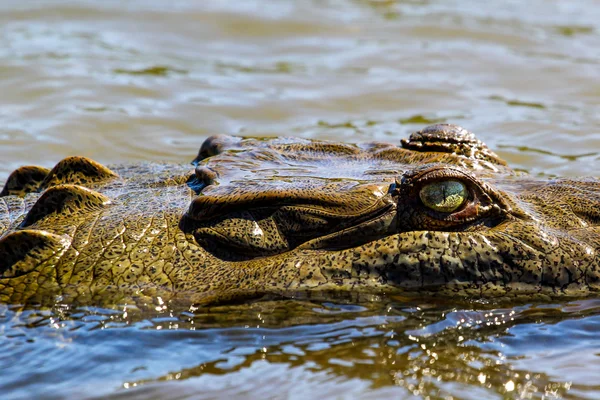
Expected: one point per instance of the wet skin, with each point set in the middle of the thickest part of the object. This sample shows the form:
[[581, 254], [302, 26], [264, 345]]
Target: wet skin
[[439, 213]]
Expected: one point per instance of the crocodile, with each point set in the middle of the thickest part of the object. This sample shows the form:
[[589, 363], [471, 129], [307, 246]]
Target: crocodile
[[438, 214]]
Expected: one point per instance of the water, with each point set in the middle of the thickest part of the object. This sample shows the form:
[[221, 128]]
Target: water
[[149, 80], [291, 349]]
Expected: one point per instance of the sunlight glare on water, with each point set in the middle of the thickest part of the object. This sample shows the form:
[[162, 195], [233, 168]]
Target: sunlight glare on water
[[148, 80]]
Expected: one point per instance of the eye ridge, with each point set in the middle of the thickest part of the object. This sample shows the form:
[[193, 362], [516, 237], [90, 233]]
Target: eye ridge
[[481, 204]]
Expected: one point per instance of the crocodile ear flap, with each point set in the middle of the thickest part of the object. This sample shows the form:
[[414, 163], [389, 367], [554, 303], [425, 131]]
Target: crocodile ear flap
[[77, 171], [24, 180], [453, 139], [22, 251], [65, 200]]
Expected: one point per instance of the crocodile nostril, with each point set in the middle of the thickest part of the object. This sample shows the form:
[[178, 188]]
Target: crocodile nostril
[[393, 188], [214, 145], [203, 177]]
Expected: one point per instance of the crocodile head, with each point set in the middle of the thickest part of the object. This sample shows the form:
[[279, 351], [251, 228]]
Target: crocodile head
[[438, 214]]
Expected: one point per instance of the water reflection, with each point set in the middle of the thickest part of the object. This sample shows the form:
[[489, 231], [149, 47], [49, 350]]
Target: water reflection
[[146, 80], [421, 348]]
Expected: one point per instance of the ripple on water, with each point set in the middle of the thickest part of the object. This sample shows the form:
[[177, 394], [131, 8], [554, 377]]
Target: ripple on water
[[147, 80], [101, 79], [304, 347]]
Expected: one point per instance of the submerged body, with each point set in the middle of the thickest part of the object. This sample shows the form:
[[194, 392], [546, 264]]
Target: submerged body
[[439, 213]]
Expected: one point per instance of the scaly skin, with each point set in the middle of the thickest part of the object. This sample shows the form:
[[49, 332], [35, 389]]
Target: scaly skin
[[293, 216]]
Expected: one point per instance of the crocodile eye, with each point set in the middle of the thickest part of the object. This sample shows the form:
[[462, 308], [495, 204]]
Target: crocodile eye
[[444, 196]]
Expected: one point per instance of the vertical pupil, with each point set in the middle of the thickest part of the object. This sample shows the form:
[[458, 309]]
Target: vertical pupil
[[443, 196]]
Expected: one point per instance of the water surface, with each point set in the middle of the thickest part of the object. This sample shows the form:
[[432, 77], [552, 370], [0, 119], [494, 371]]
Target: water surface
[[149, 80]]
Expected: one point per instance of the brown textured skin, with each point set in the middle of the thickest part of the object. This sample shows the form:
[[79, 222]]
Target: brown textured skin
[[292, 216]]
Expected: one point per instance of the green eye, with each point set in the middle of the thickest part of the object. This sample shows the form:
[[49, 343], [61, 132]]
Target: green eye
[[444, 196]]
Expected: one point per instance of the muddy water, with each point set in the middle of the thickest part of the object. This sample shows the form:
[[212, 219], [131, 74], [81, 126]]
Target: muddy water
[[149, 80]]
